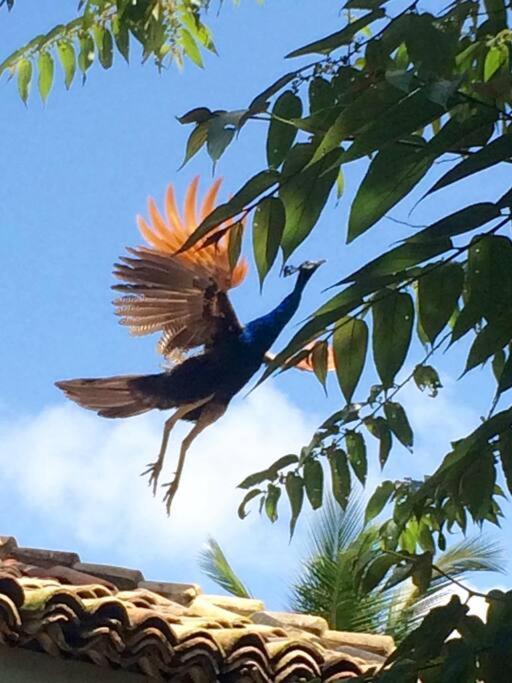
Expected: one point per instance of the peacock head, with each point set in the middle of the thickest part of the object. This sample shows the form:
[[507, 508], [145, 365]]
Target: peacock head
[[305, 271]]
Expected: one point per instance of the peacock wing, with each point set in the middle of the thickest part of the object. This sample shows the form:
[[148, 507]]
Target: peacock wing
[[161, 292]]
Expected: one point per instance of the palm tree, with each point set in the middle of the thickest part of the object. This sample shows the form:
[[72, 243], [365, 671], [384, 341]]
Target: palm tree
[[325, 584]]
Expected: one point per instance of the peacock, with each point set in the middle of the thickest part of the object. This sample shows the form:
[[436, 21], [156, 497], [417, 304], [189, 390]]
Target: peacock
[[184, 296]]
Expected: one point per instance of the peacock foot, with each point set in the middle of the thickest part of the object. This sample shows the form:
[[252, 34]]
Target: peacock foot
[[153, 469]]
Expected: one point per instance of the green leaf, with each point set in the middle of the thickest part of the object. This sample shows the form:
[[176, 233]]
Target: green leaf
[[393, 318], [321, 95], [304, 194], [378, 500], [505, 378], [268, 474], [356, 450], [376, 571], [267, 230], [496, 57], [398, 423], [493, 153], [253, 188], [191, 48], [104, 45], [235, 243], [218, 138], [24, 72], [259, 103], [498, 363], [340, 476], [392, 174], [281, 135], [350, 343], [121, 37], [66, 53], [271, 500], [489, 275], [46, 68], [493, 337], [426, 377], [422, 36], [505, 453], [295, 490], [246, 499], [320, 361], [439, 289], [458, 223], [314, 482], [335, 40], [86, 54], [196, 140], [399, 259], [378, 427]]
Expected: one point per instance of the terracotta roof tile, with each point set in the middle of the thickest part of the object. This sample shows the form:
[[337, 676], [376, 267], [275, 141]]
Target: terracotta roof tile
[[113, 617]]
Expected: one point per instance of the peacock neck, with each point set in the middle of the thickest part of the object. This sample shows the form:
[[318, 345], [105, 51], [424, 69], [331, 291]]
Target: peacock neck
[[261, 333]]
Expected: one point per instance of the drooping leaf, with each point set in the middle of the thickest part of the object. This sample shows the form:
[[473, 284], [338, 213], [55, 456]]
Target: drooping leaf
[[281, 135], [335, 40], [242, 513], [270, 473], [393, 172], [24, 73], [191, 48], [104, 45], [304, 194], [491, 338], [356, 450], [350, 343], [46, 68], [378, 427], [393, 318], [66, 53], [378, 500], [121, 37], [218, 138], [321, 94], [295, 489], [196, 140], [320, 361], [398, 423], [426, 377], [314, 482], [235, 243], [375, 571], [271, 500], [267, 230], [493, 153], [439, 289], [340, 476], [86, 54]]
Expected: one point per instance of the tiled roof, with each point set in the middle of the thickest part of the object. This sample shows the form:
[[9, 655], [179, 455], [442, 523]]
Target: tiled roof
[[52, 602]]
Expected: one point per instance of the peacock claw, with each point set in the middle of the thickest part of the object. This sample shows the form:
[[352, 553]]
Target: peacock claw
[[153, 469], [172, 487]]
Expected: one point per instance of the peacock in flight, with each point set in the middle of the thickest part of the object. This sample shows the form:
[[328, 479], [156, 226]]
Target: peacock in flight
[[184, 296]]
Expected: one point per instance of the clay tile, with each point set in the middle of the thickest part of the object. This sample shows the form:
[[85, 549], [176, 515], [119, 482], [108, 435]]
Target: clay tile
[[7, 545], [305, 622], [243, 606], [380, 645], [44, 558], [183, 593], [124, 579]]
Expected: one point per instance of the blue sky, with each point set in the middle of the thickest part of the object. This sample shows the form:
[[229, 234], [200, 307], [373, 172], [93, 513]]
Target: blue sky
[[76, 172]]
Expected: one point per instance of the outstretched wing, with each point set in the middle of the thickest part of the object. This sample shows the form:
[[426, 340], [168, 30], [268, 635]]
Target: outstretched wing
[[182, 295]]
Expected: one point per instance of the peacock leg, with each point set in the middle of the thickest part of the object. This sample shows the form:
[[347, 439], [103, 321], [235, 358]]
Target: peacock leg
[[207, 417], [154, 468]]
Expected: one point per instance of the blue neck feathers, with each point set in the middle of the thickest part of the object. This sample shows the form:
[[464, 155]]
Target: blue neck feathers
[[261, 333]]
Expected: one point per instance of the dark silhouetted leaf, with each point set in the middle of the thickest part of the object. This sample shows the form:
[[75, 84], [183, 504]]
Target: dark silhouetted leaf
[[235, 243], [439, 289], [505, 377], [398, 423], [495, 151], [314, 482], [340, 476], [350, 342], [197, 115], [356, 450], [426, 377], [393, 318], [196, 140], [104, 45], [457, 223], [320, 361], [393, 172], [267, 231], [335, 40], [491, 338], [246, 499], [321, 95], [376, 571], [378, 427], [281, 135], [121, 37], [378, 500], [295, 490], [505, 452]]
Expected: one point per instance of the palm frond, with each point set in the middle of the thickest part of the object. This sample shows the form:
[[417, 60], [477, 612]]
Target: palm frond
[[215, 565]]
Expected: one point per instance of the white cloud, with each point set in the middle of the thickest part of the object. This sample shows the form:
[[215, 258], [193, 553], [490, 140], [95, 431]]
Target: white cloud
[[79, 475]]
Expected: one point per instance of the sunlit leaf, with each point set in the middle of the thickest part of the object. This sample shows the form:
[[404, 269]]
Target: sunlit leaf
[[104, 45], [46, 68], [24, 73], [66, 53], [271, 500], [191, 48], [86, 54]]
